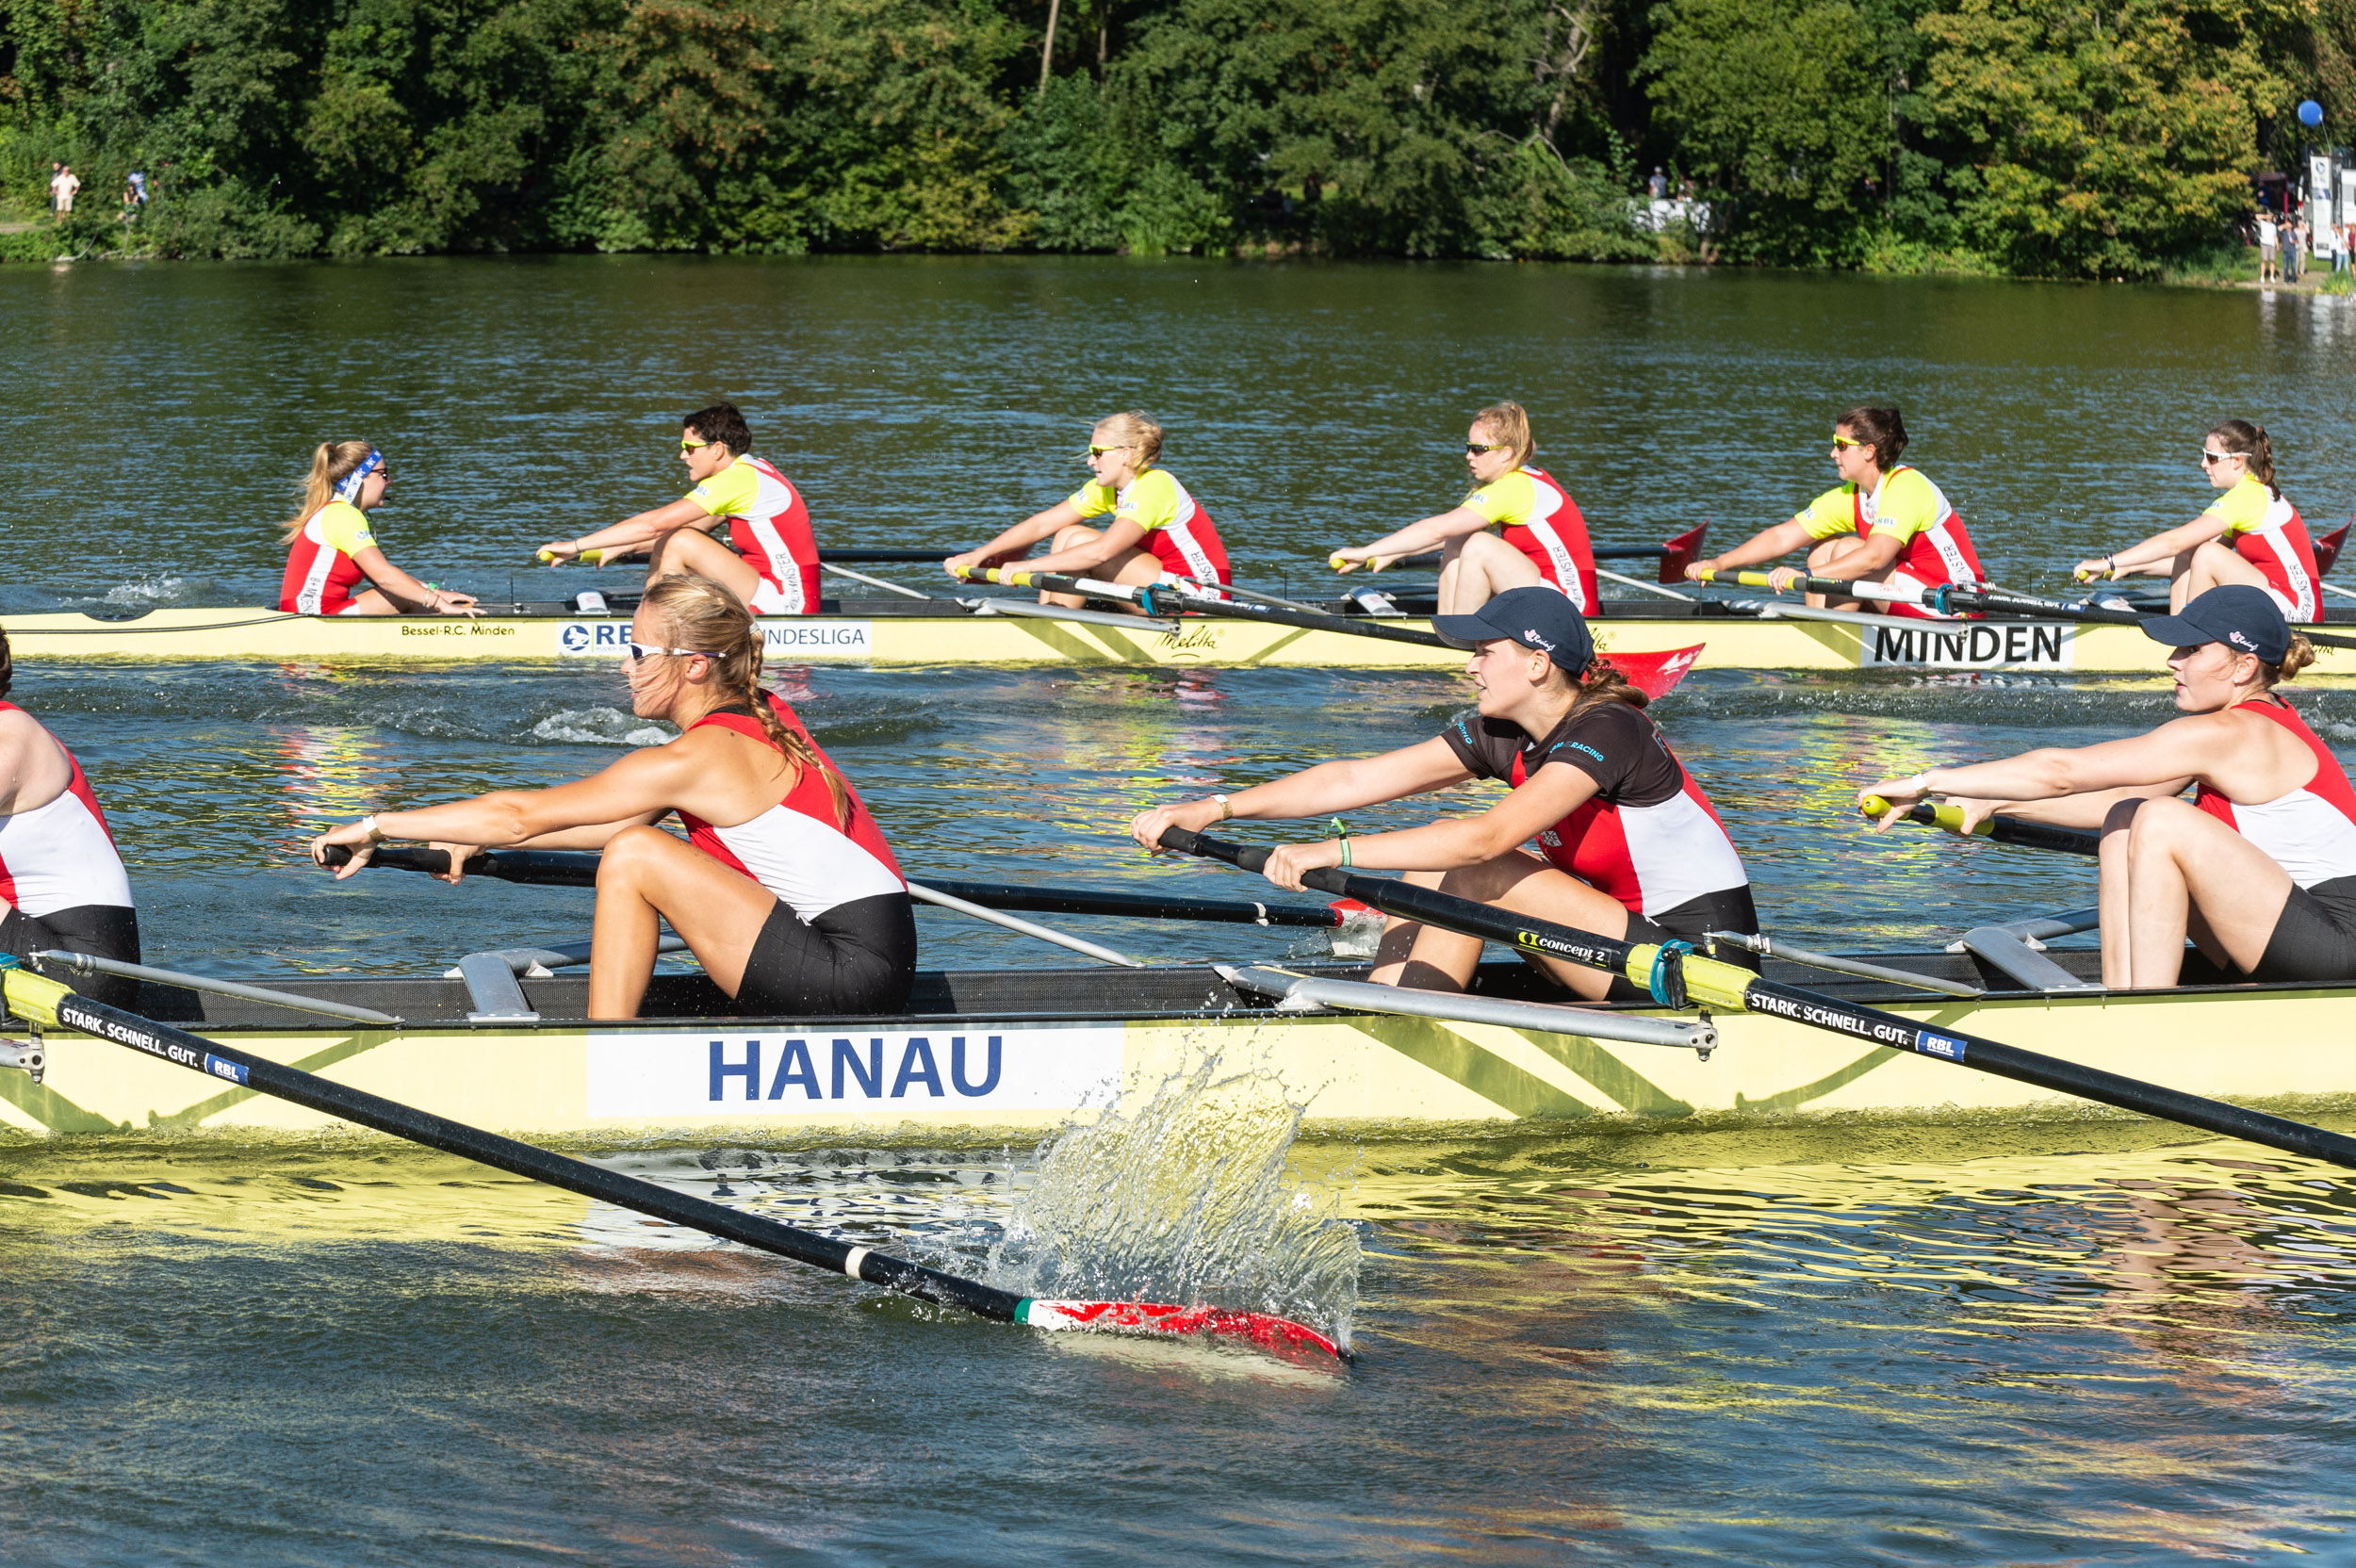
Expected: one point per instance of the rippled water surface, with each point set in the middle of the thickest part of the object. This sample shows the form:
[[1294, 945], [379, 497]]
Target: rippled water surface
[[1955, 1341]]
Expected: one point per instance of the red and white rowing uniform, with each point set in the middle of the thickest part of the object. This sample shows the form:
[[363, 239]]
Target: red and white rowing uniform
[[1936, 549], [796, 849], [1648, 837], [1538, 517], [2309, 831], [61, 856], [770, 526], [1177, 529], [2265, 530], [322, 572]]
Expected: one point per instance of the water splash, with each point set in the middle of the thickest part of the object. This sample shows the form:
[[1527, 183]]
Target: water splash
[[599, 726], [142, 593], [1192, 1199]]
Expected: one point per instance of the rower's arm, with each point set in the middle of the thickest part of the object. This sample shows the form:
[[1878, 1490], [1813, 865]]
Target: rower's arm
[[642, 785], [2090, 809], [594, 836], [1016, 541], [1423, 534], [1554, 793], [2207, 748], [1126, 534], [2162, 550], [1771, 543], [1317, 791], [402, 589], [642, 529]]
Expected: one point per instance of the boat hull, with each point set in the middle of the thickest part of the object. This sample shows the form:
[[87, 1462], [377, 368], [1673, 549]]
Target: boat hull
[[887, 638], [958, 1075]]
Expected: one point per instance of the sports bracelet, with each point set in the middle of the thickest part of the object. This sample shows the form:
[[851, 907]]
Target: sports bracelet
[[1346, 860], [376, 834], [1225, 810]]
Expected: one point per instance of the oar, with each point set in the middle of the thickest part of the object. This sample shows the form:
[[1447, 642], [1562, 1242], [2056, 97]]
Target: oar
[[578, 868], [853, 558], [574, 867], [1678, 978], [50, 1005], [1675, 554], [2004, 830], [1145, 598], [1953, 599]]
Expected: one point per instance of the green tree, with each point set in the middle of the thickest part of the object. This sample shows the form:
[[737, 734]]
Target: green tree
[[2100, 141]]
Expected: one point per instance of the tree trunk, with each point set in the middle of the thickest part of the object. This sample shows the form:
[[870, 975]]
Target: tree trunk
[[1047, 50]]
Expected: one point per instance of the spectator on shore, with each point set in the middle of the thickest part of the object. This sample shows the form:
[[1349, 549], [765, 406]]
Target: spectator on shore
[[2270, 243], [1657, 186], [134, 195], [2339, 246], [62, 185], [2294, 244]]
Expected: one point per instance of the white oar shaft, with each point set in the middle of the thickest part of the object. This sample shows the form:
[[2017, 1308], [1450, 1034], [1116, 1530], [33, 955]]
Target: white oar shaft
[[870, 582], [1647, 587], [933, 895]]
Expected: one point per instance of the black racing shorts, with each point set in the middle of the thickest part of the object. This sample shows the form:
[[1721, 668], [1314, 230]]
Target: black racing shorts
[[101, 930], [856, 957], [2315, 936], [1727, 909]]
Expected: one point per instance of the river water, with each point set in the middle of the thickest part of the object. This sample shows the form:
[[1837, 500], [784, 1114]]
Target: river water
[[1955, 1341]]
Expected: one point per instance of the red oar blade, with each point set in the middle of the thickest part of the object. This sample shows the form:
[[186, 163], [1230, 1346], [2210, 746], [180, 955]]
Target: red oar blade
[[1147, 1317], [1655, 673], [2328, 547], [1682, 551]]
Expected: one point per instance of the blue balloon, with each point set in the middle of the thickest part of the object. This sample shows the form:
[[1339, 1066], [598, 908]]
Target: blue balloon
[[2311, 114]]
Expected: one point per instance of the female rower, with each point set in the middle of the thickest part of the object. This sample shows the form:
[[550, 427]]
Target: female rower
[[1158, 531], [2259, 867], [61, 883], [2252, 535], [330, 550], [777, 572], [784, 887], [1632, 847], [1884, 522], [1541, 536]]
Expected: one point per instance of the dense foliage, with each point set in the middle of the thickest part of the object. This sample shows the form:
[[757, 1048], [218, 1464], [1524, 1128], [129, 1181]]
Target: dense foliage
[[2065, 136]]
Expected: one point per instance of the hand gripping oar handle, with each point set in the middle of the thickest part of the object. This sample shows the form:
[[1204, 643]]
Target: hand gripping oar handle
[[1707, 982], [1885, 592], [547, 868], [45, 1002], [2004, 830], [1161, 602]]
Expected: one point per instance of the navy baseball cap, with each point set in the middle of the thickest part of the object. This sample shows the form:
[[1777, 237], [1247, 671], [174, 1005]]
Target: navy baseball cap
[[1540, 618], [2245, 619]]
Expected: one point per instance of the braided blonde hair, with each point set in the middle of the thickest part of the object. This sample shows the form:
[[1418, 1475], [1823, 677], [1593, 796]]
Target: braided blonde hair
[[705, 617]]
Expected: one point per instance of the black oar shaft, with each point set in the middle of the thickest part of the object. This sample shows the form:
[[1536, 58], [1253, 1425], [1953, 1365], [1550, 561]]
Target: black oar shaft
[[2012, 831], [1055, 582], [522, 1159], [578, 868], [1722, 984]]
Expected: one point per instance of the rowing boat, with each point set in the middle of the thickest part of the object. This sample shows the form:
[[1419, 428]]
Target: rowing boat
[[1026, 1050], [1769, 636]]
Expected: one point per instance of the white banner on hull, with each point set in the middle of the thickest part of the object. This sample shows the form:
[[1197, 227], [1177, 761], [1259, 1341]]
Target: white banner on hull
[[1973, 646], [780, 637], [763, 1074]]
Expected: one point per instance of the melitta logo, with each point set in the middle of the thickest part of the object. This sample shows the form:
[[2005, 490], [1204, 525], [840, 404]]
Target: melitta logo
[[1531, 636], [2241, 641]]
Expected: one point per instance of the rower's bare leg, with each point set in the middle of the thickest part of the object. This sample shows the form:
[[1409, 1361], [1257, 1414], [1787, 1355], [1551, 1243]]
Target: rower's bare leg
[[1133, 567], [2180, 858], [1477, 567], [2111, 901], [1423, 958], [685, 550], [371, 601], [2211, 565], [1845, 559], [645, 876]]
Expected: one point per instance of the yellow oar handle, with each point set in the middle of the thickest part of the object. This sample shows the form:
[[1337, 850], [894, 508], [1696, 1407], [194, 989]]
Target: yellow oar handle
[[1740, 580], [1708, 981], [1948, 817], [1005, 576], [586, 558], [1372, 562], [31, 997]]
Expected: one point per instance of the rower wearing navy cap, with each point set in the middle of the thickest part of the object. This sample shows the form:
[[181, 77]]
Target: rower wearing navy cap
[[2258, 868], [1629, 845]]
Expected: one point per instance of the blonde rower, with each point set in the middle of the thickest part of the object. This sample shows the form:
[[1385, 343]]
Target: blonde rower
[[1541, 536], [331, 549], [2252, 535], [784, 887], [1158, 531]]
